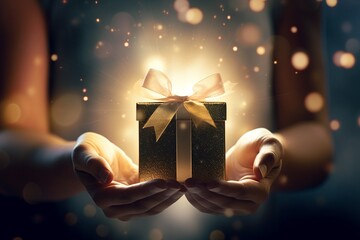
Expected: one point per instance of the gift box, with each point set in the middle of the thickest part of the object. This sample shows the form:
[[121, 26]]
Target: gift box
[[185, 148]]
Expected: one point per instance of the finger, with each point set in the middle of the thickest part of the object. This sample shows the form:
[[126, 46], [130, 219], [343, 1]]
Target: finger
[[216, 201], [120, 194], [157, 209], [269, 156], [139, 207], [87, 160], [198, 203], [247, 189]]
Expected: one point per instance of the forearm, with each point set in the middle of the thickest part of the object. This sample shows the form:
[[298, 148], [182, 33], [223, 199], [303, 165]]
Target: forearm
[[37, 166], [307, 156]]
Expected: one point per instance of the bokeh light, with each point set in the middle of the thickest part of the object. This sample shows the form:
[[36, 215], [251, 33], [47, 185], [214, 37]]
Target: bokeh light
[[217, 235], [334, 125], [70, 218], [181, 5], [331, 3], [229, 212], [314, 102], [344, 59], [347, 60], [257, 5], [12, 113], [54, 57], [293, 29], [260, 50], [66, 110], [194, 16], [156, 234], [31, 192], [300, 60], [102, 230], [248, 34], [89, 210]]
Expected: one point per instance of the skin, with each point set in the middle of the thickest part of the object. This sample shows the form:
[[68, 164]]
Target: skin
[[31, 157], [301, 145]]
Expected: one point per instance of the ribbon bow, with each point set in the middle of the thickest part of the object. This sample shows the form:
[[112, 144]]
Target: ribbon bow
[[158, 82]]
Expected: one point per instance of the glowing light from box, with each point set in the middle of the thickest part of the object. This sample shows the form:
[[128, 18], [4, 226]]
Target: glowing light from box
[[155, 62]]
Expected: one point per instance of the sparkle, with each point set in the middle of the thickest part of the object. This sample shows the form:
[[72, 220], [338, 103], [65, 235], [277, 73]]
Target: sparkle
[[221, 60], [160, 36], [228, 17], [235, 48], [97, 20], [126, 44], [84, 90], [275, 62], [123, 116], [256, 69], [85, 98], [201, 47]]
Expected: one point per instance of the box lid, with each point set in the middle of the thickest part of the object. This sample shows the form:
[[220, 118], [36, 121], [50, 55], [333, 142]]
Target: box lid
[[144, 110]]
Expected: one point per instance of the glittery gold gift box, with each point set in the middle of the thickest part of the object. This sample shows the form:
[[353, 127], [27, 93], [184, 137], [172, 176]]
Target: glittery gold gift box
[[183, 150]]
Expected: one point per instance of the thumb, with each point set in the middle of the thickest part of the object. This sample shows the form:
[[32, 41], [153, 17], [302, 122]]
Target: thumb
[[87, 160], [269, 156]]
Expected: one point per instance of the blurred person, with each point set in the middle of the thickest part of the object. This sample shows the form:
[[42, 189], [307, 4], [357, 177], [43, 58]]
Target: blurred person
[[38, 159]]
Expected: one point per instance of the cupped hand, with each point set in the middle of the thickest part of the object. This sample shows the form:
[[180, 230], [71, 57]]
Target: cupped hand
[[252, 165], [111, 178]]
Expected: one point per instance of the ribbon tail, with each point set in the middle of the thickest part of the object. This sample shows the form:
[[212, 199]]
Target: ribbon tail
[[198, 113], [161, 117]]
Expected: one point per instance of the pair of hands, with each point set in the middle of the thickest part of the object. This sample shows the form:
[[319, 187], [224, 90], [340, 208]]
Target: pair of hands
[[111, 178]]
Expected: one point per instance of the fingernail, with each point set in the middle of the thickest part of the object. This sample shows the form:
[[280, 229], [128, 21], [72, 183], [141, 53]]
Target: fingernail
[[104, 176], [263, 170]]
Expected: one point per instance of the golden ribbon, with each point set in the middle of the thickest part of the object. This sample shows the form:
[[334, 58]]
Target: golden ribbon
[[158, 82]]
